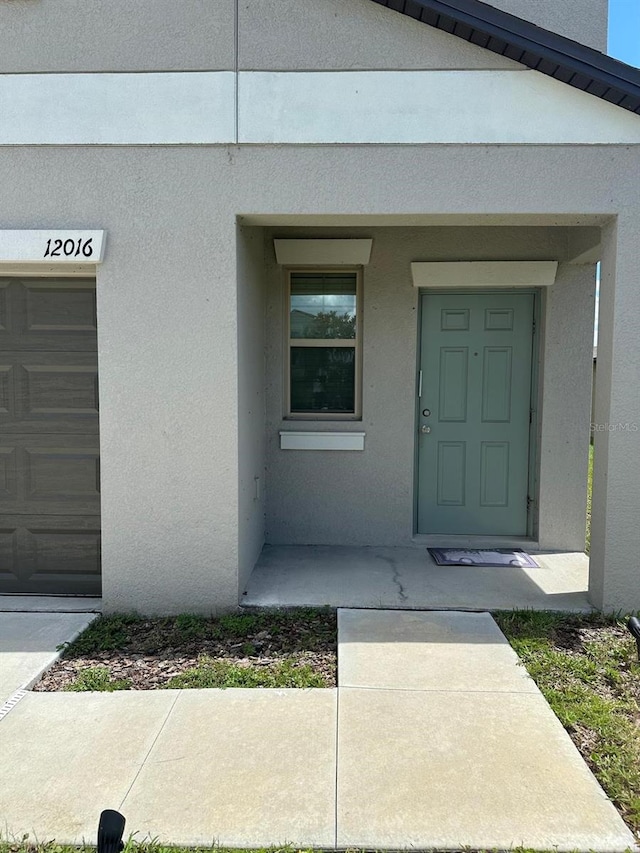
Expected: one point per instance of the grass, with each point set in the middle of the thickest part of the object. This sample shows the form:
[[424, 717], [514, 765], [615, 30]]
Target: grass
[[589, 493], [25, 845], [225, 673], [586, 666], [104, 634], [133, 846], [97, 678]]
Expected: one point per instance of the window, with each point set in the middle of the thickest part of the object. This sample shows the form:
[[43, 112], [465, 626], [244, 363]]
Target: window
[[323, 344]]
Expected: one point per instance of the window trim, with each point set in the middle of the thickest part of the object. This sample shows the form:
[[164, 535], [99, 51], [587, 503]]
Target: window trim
[[320, 342]]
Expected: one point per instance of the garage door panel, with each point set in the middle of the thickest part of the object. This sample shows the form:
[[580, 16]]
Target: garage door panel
[[50, 392], [8, 552], [62, 309], [61, 392], [8, 475], [54, 474], [49, 315], [49, 446], [59, 474], [7, 407], [45, 558]]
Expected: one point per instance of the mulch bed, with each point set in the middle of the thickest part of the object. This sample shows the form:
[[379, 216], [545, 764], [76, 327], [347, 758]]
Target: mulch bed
[[149, 652]]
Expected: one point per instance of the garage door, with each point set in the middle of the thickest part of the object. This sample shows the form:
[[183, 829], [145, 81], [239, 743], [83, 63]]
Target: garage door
[[49, 451]]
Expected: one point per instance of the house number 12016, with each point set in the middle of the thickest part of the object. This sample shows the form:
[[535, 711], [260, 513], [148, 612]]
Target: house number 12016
[[69, 248]]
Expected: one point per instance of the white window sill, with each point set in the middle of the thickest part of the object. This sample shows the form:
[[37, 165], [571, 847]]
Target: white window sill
[[291, 440]]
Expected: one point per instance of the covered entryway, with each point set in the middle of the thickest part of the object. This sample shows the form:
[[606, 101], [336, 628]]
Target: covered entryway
[[506, 457], [474, 413], [49, 450]]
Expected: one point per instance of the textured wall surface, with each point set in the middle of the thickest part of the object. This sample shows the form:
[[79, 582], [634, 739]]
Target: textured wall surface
[[615, 532], [164, 35], [167, 362], [218, 35], [251, 400], [283, 35], [567, 374], [306, 107], [117, 35], [167, 317], [581, 20]]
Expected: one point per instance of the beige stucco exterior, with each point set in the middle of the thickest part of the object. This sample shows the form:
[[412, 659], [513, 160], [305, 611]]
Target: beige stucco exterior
[[193, 35], [584, 21], [190, 301]]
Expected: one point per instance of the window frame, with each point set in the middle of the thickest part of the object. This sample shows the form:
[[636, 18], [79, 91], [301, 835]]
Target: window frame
[[351, 343]]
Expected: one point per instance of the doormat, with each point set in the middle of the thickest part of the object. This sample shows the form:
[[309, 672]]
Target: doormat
[[482, 557]]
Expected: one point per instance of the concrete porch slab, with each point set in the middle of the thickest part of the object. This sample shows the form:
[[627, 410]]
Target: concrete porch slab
[[28, 643], [432, 650], [408, 579], [241, 768], [66, 756], [454, 770]]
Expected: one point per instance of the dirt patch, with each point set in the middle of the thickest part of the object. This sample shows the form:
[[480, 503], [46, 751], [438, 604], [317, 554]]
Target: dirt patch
[[148, 653]]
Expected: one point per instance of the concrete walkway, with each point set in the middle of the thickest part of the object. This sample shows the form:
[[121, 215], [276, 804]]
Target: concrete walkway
[[435, 738], [28, 644]]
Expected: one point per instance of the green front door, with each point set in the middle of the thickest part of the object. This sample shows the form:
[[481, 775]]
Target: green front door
[[474, 413]]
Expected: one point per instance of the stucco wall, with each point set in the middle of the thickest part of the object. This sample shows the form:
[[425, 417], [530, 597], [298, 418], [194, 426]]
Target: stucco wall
[[582, 20], [368, 497], [308, 35], [615, 532], [566, 368], [167, 317], [251, 399], [164, 35], [116, 35], [167, 340], [197, 35]]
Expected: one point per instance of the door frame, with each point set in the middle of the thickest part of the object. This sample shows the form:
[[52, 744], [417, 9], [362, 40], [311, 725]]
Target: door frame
[[535, 405]]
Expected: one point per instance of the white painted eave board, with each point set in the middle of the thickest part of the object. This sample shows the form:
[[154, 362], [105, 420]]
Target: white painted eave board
[[424, 107], [484, 274], [166, 108], [518, 106], [323, 252]]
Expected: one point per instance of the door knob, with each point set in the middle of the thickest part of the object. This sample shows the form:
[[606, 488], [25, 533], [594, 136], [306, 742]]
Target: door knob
[[425, 429]]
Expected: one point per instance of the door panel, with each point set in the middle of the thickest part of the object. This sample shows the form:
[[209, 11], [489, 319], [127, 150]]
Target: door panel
[[453, 391], [451, 473], [473, 460]]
